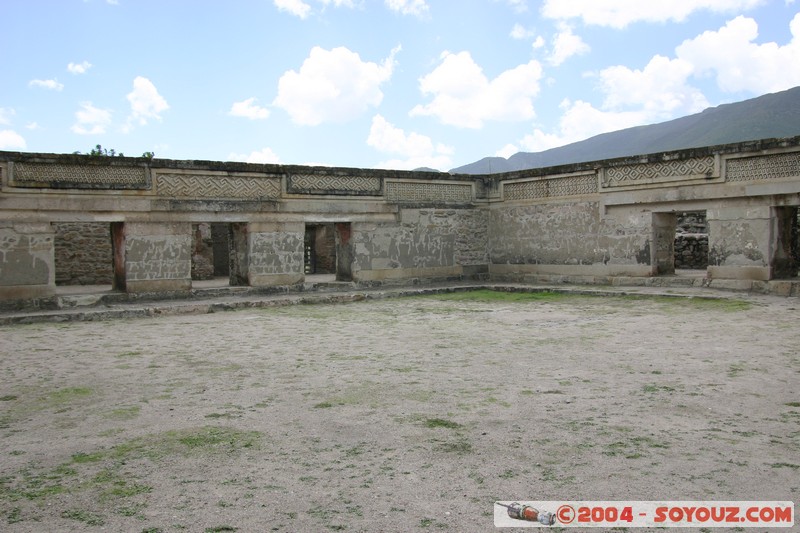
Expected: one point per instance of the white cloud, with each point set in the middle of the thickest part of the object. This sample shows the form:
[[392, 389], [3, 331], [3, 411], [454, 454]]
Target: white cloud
[[620, 13], [32, 126], [249, 109], [52, 85], [11, 140], [565, 45], [145, 102], [79, 68], [91, 120], [464, 97], [297, 8], [581, 120], [332, 86], [521, 32], [660, 90], [408, 7], [415, 149], [265, 155], [5, 115], [741, 64], [519, 6], [507, 151], [656, 93]]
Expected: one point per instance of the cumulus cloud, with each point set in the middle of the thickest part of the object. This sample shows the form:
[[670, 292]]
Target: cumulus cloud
[[332, 86], [297, 8], [463, 96], [565, 45], [91, 120], [660, 91], [11, 140], [580, 121], [79, 68], [621, 13], [415, 150], [408, 7], [51, 85], [739, 63], [145, 102], [263, 156], [249, 109]]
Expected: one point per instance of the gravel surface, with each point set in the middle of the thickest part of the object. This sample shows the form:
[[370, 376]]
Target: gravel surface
[[410, 414]]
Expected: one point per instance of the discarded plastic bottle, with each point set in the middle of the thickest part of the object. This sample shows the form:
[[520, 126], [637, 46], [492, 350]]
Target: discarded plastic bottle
[[518, 511]]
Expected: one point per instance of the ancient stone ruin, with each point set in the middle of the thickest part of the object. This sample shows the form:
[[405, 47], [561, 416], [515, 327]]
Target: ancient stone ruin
[[727, 213]]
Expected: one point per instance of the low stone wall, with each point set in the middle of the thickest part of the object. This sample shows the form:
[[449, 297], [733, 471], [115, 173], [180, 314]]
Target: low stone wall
[[691, 251], [83, 253]]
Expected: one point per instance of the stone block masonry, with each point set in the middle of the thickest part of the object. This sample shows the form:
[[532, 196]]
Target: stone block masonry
[[588, 221]]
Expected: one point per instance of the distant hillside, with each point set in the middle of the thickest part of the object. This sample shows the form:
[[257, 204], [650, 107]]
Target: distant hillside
[[768, 116]]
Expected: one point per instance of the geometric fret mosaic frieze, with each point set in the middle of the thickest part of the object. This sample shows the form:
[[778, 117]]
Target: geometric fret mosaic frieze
[[422, 192], [79, 176], [763, 167], [549, 188], [332, 183], [630, 174], [215, 186]]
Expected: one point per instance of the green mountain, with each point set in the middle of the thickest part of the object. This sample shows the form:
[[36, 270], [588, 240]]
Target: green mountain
[[769, 116]]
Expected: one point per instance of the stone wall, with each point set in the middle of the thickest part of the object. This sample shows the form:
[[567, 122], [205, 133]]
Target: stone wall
[[83, 253], [435, 243], [594, 220]]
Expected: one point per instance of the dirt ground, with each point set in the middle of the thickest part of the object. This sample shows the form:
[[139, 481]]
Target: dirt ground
[[411, 414]]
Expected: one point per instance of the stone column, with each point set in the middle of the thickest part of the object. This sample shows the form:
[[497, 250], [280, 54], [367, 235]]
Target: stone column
[[663, 248], [740, 242], [27, 261], [158, 256], [275, 253]]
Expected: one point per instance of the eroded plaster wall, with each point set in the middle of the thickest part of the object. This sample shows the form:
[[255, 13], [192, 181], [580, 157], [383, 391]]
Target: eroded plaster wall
[[424, 242]]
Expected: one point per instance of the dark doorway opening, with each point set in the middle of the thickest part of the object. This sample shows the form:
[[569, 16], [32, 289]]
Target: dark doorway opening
[[211, 254], [327, 250], [786, 260], [691, 241]]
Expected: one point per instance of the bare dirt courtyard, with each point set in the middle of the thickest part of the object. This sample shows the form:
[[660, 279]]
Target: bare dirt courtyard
[[407, 414]]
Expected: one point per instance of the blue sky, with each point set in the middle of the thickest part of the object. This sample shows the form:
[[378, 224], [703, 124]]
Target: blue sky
[[374, 83]]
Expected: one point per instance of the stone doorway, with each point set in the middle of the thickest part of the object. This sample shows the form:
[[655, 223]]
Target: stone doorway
[[327, 250], [680, 243], [786, 259], [211, 254]]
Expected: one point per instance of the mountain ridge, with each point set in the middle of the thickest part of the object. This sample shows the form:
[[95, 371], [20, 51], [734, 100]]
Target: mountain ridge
[[771, 115]]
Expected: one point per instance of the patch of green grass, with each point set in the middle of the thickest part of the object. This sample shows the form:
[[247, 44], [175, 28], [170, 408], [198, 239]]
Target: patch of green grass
[[124, 413], [61, 396], [323, 405], [87, 517], [487, 295], [735, 369], [220, 529], [785, 465], [8, 398], [441, 423], [792, 404], [460, 446], [657, 388]]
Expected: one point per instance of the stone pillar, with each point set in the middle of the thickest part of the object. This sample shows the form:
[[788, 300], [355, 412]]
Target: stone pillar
[[663, 250], [27, 261], [275, 253], [158, 256], [741, 241]]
